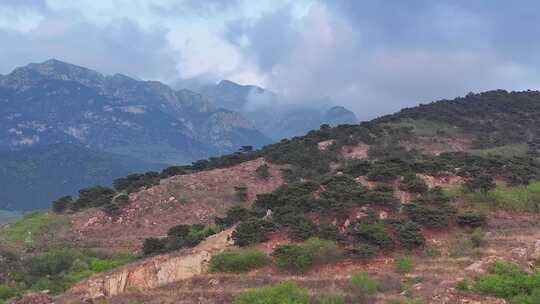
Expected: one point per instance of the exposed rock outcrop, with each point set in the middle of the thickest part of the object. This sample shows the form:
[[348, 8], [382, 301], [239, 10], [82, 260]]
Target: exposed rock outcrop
[[151, 273]]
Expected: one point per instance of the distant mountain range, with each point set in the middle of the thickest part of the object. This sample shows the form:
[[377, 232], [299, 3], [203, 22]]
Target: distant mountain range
[[69, 123], [277, 122]]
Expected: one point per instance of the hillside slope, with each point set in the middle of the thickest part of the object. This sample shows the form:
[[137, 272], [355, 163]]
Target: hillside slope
[[421, 206]]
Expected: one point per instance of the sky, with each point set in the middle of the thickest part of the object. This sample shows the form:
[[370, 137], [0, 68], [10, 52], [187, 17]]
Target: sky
[[372, 56]]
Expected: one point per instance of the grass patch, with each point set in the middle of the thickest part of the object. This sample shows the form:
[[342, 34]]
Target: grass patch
[[506, 151], [519, 198], [31, 226], [238, 260], [282, 293], [404, 264], [507, 280]]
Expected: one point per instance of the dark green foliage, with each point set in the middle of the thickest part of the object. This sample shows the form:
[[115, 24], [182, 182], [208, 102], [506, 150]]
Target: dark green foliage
[[357, 168], [471, 219], [329, 232], [238, 260], [371, 230], [293, 257], [431, 209], [429, 215], [410, 235], [288, 202], [412, 183], [180, 231], [482, 183], [252, 231], [302, 229], [50, 264], [178, 237], [344, 190], [382, 195], [363, 251], [153, 246], [93, 197], [234, 215], [303, 154], [263, 171], [62, 204], [133, 182]]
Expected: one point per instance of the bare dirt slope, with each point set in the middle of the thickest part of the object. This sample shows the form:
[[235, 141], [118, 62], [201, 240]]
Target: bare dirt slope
[[183, 199]]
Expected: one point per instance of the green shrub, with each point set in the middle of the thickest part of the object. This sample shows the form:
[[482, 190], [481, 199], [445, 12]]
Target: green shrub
[[238, 260], [412, 183], [463, 285], [293, 257], [51, 263], [404, 264], [363, 251], [323, 251], [180, 231], [302, 229], [429, 215], [329, 232], [234, 215], [8, 292], [331, 299], [372, 230], [363, 284], [93, 197], [282, 293], [153, 246], [477, 238], [482, 183], [62, 204], [252, 231], [471, 219], [506, 280], [410, 235]]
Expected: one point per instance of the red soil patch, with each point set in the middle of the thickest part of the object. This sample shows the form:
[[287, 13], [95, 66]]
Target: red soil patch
[[182, 199]]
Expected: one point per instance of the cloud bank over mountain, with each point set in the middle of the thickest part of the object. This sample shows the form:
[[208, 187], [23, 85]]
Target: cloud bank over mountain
[[371, 56]]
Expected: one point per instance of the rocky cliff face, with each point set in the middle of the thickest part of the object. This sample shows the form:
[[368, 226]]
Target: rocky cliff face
[[151, 273], [56, 102]]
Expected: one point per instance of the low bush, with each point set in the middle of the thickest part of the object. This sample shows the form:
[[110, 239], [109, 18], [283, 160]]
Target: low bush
[[371, 230], [153, 246], [363, 251], [252, 231], [323, 251], [302, 229], [507, 280], [429, 215], [471, 219], [282, 293], [410, 235], [293, 257], [404, 264], [263, 171], [363, 285], [412, 183], [238, 260], [329, 232], [234, 215]]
